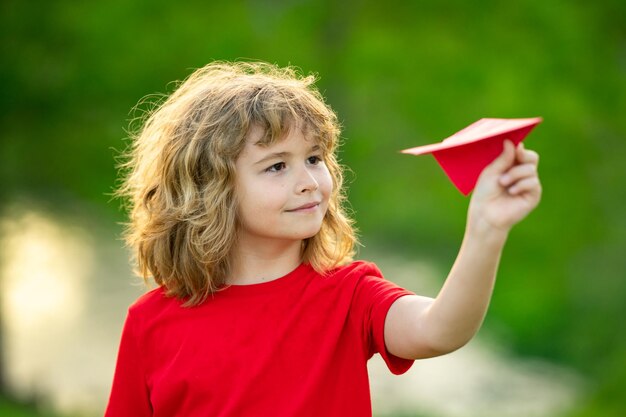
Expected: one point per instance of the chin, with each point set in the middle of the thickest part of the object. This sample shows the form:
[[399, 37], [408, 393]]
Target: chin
[[307, 234]]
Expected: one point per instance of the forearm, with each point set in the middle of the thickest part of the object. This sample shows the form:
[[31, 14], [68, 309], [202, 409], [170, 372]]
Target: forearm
[[458, 311]]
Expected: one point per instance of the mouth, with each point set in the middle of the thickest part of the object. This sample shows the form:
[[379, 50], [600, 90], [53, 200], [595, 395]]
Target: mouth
[[305, 207]]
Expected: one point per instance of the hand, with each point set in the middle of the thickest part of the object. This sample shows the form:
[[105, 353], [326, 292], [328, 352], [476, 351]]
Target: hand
[[507, 190]]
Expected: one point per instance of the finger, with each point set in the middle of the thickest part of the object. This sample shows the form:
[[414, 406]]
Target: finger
[[504, 160], [524, 155], [526, 185], [519, 152], [517, 173]]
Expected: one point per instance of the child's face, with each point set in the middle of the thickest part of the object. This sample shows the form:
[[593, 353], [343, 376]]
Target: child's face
[[282, 189]]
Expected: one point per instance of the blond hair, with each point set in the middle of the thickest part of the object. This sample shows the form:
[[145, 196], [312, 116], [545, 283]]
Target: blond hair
[[178, 173]]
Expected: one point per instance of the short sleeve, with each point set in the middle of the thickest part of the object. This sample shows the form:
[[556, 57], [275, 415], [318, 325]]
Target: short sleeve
[[374, 296], [129, 393]]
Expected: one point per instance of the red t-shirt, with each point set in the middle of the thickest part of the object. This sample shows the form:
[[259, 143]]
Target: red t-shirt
[[294, 346]]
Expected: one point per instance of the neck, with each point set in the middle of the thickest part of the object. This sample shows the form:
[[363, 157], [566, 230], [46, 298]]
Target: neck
[[257, 262]]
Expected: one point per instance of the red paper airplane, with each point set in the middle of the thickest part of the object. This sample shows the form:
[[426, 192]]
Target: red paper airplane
[[465, 154]]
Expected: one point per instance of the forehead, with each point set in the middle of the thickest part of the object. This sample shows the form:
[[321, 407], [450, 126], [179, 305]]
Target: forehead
[[258, 140]]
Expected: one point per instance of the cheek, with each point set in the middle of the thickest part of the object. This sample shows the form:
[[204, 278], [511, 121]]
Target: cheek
[[259, 197], [326, 183], [249, 202], [246, 199]]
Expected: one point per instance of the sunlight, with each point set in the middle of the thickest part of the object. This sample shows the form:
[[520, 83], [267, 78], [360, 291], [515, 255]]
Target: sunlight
[[43, 270]]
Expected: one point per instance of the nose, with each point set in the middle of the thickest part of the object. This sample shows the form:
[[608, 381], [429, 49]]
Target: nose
[[306, 181]]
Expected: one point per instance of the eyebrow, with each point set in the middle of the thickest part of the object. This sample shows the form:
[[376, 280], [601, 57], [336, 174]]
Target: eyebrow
[[279, 155]]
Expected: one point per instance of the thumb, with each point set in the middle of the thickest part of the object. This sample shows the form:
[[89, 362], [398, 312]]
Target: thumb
[[505, 160]]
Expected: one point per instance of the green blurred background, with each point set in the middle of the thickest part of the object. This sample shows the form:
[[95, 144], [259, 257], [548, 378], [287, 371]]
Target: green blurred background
[[399, 74]]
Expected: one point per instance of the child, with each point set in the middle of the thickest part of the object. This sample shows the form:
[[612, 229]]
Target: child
[[236, 213]]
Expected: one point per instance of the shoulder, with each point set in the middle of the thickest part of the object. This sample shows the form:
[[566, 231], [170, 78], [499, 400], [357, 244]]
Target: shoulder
[[345, 278], [153, 308], [357, 270], [361, 277], [368, 281], [152, 301]]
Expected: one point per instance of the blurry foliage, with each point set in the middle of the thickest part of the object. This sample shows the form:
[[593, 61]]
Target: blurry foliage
[[399, 74], [11, 408]]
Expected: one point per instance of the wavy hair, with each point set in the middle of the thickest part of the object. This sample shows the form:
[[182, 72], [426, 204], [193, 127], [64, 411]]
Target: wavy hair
[[178, 175]]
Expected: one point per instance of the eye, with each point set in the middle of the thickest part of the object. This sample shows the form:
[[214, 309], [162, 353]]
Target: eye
[[314, 160], [279, 166]]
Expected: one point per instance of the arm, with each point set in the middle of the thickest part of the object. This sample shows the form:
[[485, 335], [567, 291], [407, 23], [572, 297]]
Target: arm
[[129, 395], [420, 327]]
